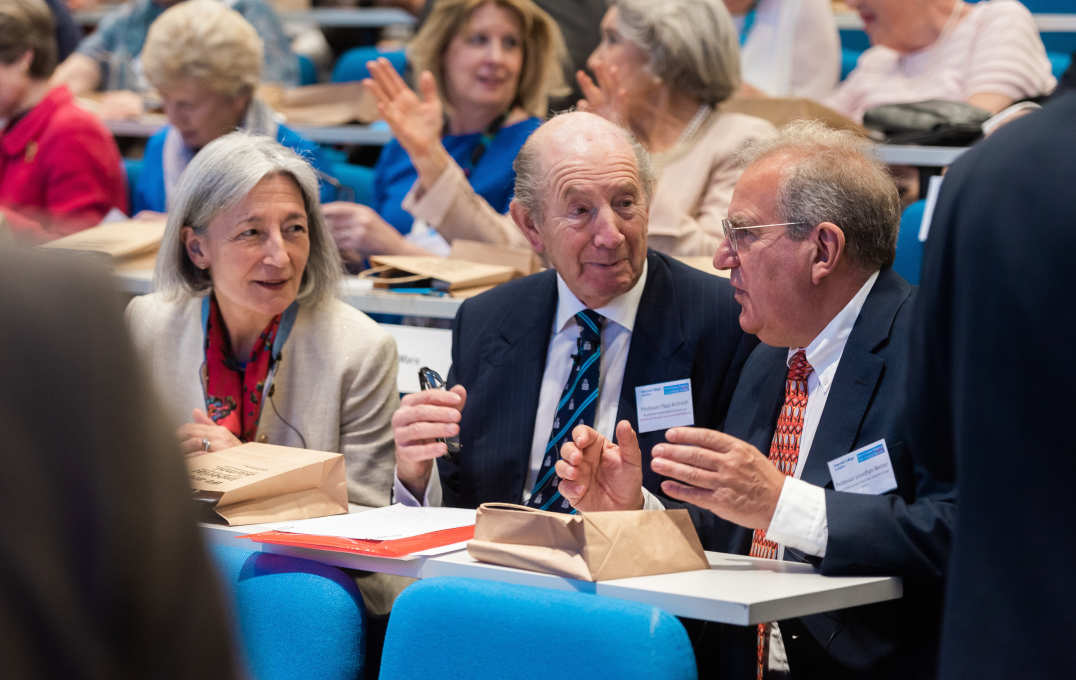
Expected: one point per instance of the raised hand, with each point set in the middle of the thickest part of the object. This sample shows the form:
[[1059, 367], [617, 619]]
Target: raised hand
[[597, 474]]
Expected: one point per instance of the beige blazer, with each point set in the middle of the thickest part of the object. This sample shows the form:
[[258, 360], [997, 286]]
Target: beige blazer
[[694, 189], [335, 383]]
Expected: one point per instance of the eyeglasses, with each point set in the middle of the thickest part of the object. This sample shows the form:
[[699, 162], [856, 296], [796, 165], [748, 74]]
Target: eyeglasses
[[733, 238]]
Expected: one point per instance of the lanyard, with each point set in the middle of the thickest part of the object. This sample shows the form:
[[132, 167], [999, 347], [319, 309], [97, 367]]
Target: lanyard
[[748, 22]]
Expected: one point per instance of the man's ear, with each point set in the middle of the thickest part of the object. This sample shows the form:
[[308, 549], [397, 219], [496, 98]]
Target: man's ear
[[195, 246], [828, 240], [525, 221]]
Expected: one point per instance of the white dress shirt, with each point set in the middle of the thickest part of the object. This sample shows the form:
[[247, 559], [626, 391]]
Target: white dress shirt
[[616, 342], [799, 520]]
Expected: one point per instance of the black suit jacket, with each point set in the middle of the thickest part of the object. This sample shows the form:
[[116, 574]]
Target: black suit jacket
[[686, 327], [993, 363], [890, 534]]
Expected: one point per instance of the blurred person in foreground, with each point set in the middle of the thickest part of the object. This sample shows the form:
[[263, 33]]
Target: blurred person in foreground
[[205, 60], [988, 54], [60, 169], [574, 344], [245, 336], [105, 571], [109, 59], [991, 366], [486, 69]]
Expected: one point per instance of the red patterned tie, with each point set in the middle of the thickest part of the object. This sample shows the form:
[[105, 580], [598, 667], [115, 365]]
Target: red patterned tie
[[785, 453]]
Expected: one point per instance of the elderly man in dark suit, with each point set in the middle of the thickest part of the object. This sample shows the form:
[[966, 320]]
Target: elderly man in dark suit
[[810, 239], [574, 344]]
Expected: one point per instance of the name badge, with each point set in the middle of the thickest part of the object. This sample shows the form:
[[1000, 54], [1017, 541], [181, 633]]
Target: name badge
[[664, 405], [867, 470]]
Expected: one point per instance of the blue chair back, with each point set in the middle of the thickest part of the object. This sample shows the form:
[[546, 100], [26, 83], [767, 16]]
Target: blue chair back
[[132, 167], [295, 618], [358, 178], [308, 73], [909, 257], [352, 64], [456, 628]]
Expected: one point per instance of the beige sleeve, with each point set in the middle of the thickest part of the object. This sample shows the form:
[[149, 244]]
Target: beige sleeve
[[366, 423], [452, 207]]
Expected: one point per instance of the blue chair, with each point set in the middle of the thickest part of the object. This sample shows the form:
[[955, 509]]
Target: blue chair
[[358, 178], [352, 64], [133, 168], [308, 73], [295, 618], [457, 628], [909, 257]]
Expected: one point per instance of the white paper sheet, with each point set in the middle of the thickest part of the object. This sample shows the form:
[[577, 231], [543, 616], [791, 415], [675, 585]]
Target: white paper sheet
[[383, 524]]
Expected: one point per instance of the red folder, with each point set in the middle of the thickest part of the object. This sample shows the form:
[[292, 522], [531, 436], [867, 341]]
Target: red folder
[[399, 547]]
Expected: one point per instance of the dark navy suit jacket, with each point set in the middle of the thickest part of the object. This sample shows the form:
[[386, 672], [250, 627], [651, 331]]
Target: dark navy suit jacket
[[686, 327], [906, 532]]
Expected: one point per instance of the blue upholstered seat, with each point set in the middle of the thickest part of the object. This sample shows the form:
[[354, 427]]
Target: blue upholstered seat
[[294, 618], [449, 628], [909, 257]]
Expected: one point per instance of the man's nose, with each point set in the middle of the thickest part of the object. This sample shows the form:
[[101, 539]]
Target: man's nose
[[725, 257], [607, 228]]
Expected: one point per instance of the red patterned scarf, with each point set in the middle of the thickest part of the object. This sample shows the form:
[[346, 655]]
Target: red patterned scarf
[[234, 388]]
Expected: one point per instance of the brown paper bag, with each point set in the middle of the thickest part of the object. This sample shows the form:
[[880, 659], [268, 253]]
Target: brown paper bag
[[783, 110], [524, 260], [322, 105], [255, 483], [590, 546], [129, 239], [444, 273]]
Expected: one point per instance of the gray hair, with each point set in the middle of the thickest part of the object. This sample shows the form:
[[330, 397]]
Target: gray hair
[[833, 176], [693, 44], [529, 169], [218, 178]]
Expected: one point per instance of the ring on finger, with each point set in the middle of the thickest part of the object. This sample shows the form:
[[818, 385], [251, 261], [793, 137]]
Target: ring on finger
[[205, 444]]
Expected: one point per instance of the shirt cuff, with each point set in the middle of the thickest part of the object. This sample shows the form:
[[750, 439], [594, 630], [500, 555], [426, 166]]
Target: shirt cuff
[[432, 497], [433, 204], [799, 522], [650, 501]]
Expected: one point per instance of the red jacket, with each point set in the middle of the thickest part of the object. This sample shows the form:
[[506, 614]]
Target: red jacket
[[60, 170]]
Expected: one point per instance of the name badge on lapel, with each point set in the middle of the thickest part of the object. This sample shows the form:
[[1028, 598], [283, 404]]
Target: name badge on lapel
[[866, 470], [664, 405]]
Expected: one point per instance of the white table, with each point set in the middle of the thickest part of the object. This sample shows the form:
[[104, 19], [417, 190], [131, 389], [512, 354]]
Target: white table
[[736, 589], [350, 135], [354, 17], [355, 292], [1046, 23], [919, 156]]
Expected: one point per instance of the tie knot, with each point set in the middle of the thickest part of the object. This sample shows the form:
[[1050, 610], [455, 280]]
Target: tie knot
[[798, 368], [590, 323]]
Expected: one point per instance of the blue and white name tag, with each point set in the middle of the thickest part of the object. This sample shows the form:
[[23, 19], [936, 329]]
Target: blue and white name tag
[[867, 470], [664, 405]]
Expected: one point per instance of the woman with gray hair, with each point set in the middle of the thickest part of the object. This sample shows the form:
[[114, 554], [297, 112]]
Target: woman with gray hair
[[245, 338], [662, 69], [205, 60]]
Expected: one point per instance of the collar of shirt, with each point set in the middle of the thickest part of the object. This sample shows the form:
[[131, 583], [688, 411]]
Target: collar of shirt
[[620, 309], [824, 352]]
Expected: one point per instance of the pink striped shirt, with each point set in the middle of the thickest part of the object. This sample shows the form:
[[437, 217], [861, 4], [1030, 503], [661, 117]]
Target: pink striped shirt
[[995, 48]]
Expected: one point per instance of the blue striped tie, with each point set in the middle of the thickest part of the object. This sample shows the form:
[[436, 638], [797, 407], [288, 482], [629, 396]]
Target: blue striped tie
[[577, 405]]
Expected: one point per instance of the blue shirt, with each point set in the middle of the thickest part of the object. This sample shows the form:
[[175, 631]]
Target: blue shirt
[[149, 191], [492, 177]]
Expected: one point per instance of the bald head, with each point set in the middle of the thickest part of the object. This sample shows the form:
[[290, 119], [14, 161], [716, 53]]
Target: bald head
[[568, 136]]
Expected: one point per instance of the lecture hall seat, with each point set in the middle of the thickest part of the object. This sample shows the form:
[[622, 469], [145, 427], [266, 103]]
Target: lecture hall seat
[[294, 618], [457, 628]]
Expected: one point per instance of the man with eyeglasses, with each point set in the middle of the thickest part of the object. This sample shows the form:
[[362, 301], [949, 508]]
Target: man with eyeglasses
[[812, 463]]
